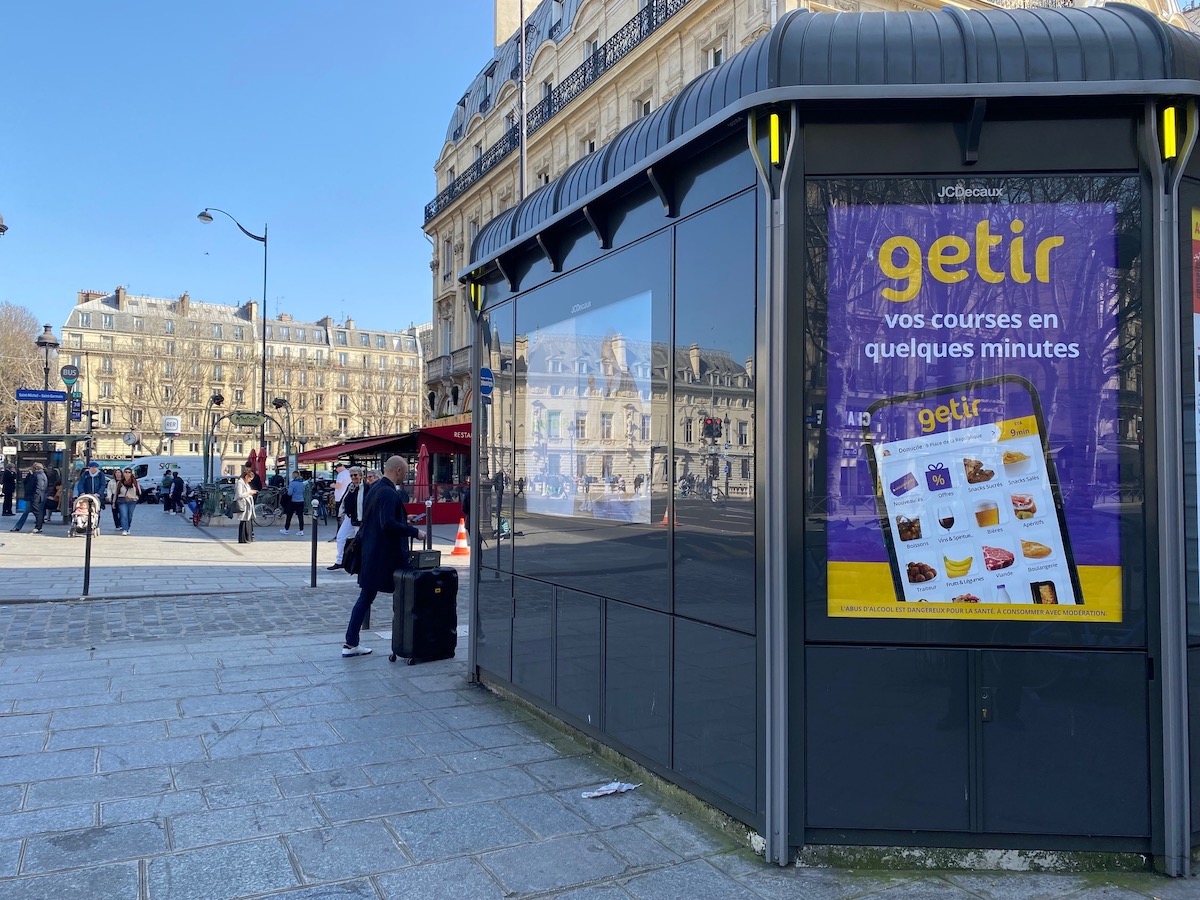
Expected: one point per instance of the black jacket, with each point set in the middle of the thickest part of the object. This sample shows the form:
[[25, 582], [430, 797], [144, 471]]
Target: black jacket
[[36, 486], [9, 483], [177, 487], [385, 536]]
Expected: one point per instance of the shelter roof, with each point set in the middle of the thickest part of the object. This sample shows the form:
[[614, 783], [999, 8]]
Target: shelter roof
[[837, 57]]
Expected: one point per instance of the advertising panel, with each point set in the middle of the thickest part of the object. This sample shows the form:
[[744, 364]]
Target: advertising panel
[[972, 398]]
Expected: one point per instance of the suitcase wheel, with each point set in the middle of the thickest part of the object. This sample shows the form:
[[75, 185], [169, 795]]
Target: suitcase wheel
[[392, 658]]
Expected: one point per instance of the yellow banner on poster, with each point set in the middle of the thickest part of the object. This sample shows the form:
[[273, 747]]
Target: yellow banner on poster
[[1011, 429], [866, 591]]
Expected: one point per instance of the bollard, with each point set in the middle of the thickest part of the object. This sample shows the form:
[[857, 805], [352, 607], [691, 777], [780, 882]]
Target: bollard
[[87, 562], [313, 580]]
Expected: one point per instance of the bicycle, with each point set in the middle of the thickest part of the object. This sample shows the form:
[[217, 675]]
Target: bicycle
[[214, 500], [268, 507]]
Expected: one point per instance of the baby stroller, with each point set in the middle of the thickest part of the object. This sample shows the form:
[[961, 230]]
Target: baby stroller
[[85, 516]]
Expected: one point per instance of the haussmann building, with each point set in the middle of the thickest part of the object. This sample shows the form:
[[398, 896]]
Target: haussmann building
[[942, 589]]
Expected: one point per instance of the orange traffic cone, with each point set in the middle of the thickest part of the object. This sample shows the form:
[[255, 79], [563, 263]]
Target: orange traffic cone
[[666, 518], [460, 540]]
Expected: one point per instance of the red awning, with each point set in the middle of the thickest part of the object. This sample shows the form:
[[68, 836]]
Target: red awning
[[447, 438], [332, 452]]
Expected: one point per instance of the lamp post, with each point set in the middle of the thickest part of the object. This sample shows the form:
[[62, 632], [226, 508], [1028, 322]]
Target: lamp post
[[205, 216], [215, 400], [281, 403], [47, 342]]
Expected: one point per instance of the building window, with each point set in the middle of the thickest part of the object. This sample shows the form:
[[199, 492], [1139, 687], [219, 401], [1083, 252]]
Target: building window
[[478, 151], [342, 340], [547, 88], [343, 402], [319, 403], [239, 396], [106, 418], [139, 366], [170, 348], [138, 392], [606, 426], [107, 320], [320, 357], [135, 417], [194, 420], [588, 145], [645, 434], [447, 258], [218, 373], [106, 343], [193, 446], [580, 426], [343, 379], [743, 433], [285, 333], [216, 331], [687, 431], [591, 46], [543, 177], [239, 333], [239, 447], [216, 351], [343, 359], [77, 360], [77, 341], [642, 107], [169, 326], [300, 334], [194, 394], [745, 468], [239, 352], [554, 425], [85, 320], [168, 392], [715, 55], [169, 368], [139, 324], [270, 331], [106, 365], [381, 342], [364, 340], [343, 424]]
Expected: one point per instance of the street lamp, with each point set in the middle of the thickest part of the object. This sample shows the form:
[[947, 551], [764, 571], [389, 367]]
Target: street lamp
[[215, 400], [205, 216], [46, 341], [281, 403]]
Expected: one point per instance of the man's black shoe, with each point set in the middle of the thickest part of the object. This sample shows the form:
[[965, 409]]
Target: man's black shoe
[[334, 566]]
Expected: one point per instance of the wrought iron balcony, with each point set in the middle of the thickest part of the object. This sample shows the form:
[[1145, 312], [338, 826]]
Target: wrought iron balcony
[[626, 38]]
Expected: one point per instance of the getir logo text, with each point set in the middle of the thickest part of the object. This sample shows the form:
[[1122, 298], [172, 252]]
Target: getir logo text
[[953, 258], [957, 409]]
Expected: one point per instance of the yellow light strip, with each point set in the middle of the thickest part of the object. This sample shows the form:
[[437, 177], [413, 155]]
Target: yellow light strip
[[1170, 137], [776, 153]]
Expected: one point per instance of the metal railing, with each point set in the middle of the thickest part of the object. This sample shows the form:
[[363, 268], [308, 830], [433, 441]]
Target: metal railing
[[626, 38]]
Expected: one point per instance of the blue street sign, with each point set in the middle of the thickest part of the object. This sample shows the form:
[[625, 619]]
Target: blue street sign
[[486, 382], [76, 410], [41, 396]]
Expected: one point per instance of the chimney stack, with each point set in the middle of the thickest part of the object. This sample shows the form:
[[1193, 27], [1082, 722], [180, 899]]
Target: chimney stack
[[508, 17], [120, 295]]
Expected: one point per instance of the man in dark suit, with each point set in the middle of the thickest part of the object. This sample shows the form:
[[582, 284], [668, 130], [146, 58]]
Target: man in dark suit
[[384, 536], [9, 484]]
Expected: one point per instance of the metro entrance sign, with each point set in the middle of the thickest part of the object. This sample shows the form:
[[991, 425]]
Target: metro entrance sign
[[40, 396], [247, 419]]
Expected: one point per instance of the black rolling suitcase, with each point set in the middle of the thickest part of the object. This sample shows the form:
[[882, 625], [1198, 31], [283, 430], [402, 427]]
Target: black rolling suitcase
[[425, 615]]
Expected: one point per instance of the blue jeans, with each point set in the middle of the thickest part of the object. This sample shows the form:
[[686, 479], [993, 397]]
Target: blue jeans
[[125, 508], [358, 615]]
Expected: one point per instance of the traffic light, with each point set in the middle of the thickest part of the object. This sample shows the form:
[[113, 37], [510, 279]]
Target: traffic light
[[89, 416], [716, 427], [709, 425]]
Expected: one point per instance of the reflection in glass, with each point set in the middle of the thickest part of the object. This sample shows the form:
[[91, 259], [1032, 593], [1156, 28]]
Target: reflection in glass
[[494, 484]]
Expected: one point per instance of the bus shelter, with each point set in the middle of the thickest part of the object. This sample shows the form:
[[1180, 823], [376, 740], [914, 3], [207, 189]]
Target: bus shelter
[[845, 413]]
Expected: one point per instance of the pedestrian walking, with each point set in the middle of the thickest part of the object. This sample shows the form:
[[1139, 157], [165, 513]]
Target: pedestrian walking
[[294, 503], [92, 481], [353, 504], [8, 482], [244, 495], [178, 489], [110, 496], [164, 491], [385, 535], [36, 490], [127, 494]]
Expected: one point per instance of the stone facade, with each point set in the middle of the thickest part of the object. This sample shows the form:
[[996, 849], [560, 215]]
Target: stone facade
[[142, 358]]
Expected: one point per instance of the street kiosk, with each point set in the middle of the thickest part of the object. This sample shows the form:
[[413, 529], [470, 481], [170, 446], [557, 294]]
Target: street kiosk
[[843, 435]]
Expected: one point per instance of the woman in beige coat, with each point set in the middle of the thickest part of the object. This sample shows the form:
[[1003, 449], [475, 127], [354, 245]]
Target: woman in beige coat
[[244, 495]]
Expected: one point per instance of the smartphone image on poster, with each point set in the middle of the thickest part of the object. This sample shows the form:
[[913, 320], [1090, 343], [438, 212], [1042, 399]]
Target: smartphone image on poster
[[968, 495]]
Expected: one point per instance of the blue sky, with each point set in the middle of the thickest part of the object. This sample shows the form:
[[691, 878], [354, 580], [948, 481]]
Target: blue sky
[[120, 121]]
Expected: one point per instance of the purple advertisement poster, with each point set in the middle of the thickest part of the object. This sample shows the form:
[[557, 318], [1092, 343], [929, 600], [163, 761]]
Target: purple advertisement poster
[[972, 394]]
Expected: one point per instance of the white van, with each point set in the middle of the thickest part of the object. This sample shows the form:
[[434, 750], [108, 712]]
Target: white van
[[149, 470]]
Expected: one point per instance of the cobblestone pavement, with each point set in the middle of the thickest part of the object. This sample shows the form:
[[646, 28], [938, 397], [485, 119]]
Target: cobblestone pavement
[[214, 747]]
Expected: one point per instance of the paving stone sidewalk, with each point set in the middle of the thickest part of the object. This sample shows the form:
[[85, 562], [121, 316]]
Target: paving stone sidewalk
[[203, 748]]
